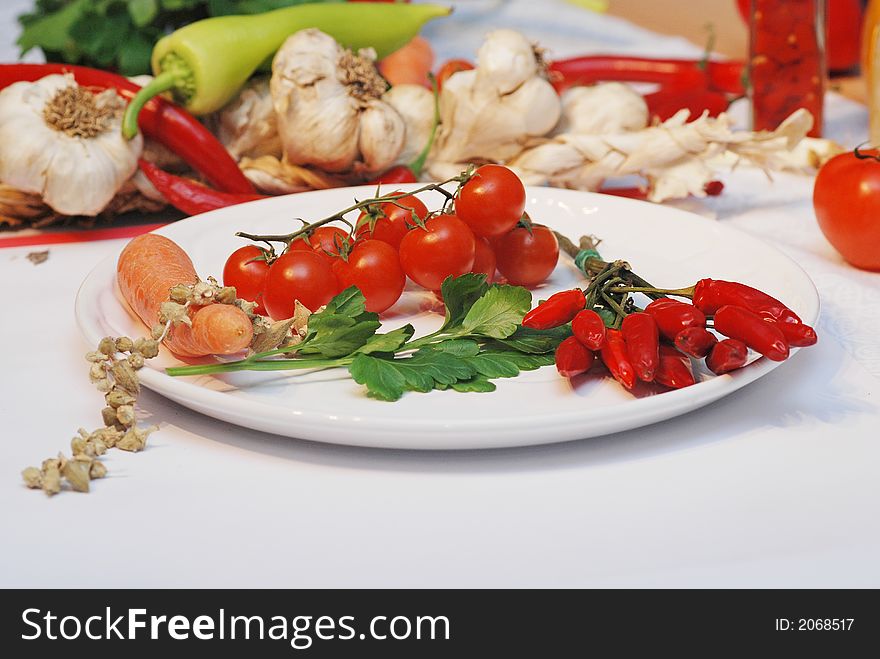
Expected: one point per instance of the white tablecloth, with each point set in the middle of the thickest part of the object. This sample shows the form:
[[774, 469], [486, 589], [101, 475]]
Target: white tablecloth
[[775, 485]]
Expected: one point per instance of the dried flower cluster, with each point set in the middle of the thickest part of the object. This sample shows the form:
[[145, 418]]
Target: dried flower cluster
[[113, 370]]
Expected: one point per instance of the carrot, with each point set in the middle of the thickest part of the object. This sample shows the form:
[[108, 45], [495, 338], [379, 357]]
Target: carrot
[[409, 65], [149, 266]]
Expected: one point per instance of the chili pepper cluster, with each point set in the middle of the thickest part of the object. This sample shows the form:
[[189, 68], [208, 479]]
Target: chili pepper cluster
[[657, 343]]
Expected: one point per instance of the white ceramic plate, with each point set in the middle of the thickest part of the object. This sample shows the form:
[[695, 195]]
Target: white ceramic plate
[[666, 246]]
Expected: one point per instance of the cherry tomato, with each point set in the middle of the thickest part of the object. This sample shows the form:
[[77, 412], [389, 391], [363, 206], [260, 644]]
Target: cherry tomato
[[394, 221], [846, 197], [492, 202], [484, 259], [324, 241], [327, 239], [527, 259], [449, 68], [374, 267], [445, 248], [246, 269], [298, 275]]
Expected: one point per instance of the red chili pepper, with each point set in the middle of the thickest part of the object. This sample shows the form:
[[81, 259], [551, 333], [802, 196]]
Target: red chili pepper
[[667, 101], [642, 344], [589, 328], [695, 341], [189, 196], [557, 310], [712, 294], [674, 370], [798, 335], [398, 174], [754, 331], [727, 355], [683, 73], [572, 358], [672, 316], [160, 120], [616, 359]]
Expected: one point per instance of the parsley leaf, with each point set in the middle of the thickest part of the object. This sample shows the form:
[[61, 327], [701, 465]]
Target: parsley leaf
[[389, 342], [498, 312], [458, 347], [459, 295], [533, 341], [386, 378], [477, 384], [341, 328]]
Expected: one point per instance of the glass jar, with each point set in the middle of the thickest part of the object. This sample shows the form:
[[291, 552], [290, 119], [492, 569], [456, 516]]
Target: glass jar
[[871, 66], [786, 61]]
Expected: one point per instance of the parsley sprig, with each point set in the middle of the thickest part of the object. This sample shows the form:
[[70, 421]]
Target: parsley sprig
[[481, 340]]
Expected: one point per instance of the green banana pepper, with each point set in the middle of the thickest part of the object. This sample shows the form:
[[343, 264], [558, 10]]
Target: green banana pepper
[[205, 64]]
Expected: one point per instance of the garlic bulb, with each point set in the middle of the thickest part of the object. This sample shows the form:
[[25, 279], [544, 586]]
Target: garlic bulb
[[329, 107], [416, 105], [64, 142], [247, 126], [493, 111]]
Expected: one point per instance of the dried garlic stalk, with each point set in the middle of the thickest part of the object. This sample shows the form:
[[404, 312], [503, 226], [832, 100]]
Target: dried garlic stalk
[[675, 157]]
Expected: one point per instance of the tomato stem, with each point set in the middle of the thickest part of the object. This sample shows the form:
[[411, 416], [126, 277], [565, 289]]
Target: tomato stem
[[288, 238]]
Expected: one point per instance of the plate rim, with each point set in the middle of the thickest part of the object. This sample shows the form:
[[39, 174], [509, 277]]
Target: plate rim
[[706, 391]]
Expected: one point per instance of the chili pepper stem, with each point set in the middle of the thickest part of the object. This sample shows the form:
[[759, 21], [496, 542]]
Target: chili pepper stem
[[161, 83], [680, 292]]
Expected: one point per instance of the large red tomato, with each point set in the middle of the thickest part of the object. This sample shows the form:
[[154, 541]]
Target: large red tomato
[[846, 197]]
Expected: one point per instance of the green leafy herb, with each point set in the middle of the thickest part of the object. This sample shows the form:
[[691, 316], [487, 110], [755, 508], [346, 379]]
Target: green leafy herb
[[389, 342], [342, 327], [459, 295], [481, 340], [498, 312], [535, 342], [388, 378]]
